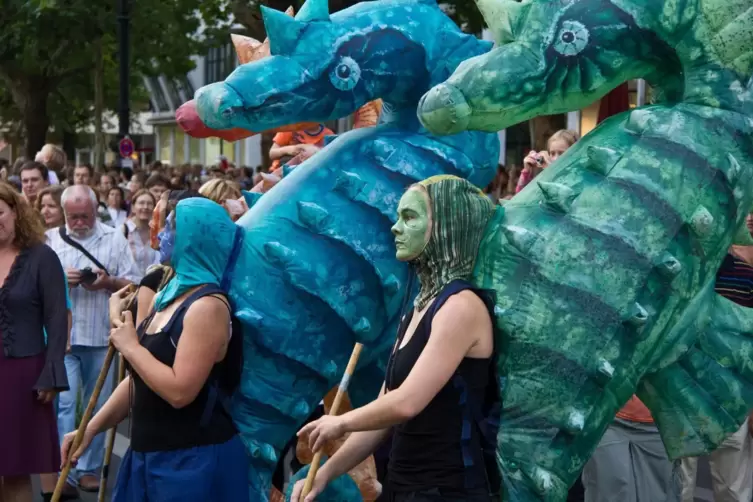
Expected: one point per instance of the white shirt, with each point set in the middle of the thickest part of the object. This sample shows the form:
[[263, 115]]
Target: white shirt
[[90, 309], [52, 177], [118, 217], [143, 254]]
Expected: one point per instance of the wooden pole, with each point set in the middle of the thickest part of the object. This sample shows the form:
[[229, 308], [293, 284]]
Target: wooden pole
[[84, 422], [90, 407], [341, 390], [110, 442]]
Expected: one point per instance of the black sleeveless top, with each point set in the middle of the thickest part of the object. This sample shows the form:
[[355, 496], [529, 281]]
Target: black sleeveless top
[[440, 447], [156, 425]]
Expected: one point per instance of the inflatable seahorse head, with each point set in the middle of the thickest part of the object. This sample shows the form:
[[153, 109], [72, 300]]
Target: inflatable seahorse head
[[560, 56], [324, 67]]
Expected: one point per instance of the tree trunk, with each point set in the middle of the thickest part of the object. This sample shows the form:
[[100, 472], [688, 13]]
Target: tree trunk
[[99, 106], [69, 144], [32, 98]]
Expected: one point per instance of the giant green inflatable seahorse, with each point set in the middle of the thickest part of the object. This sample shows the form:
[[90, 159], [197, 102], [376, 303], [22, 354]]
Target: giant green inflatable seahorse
[[605, 267]]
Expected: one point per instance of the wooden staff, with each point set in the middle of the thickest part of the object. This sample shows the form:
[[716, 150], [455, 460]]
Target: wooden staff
[[341, 390], [84, 422], [88, 413], [110, 442]]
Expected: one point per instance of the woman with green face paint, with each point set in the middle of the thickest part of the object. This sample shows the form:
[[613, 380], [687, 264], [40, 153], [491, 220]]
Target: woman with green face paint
[[413, 227], [440, 372]]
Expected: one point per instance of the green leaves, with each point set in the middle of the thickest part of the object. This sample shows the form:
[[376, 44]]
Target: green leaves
[[47, 52]]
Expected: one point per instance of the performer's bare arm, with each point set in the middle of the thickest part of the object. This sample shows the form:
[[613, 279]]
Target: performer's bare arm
[[114, 411], [144, 299], [461, 328], [278, 151], [202, 343], [357, 448]]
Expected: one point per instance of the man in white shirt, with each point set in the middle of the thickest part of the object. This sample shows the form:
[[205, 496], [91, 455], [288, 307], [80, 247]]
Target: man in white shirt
[[91, 285]]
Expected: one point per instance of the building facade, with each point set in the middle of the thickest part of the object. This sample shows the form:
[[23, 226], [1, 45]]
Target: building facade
[[172, 145]]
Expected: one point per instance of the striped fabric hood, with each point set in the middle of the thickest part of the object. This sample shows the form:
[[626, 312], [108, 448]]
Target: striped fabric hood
[[460, 213]]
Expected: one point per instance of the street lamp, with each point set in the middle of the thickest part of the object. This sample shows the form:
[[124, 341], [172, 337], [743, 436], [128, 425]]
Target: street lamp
[[123, 49]]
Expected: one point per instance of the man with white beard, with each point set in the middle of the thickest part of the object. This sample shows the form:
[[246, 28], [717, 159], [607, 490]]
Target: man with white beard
[[98, 261]]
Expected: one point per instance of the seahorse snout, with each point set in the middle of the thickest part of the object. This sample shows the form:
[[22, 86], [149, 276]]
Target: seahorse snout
[[443, 110], [217, 105]]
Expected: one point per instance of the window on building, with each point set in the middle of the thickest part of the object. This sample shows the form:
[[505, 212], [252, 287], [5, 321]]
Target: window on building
[[194, 147], [180, 147], [633, 93], [185, 85], [164, 145], [213, 150], [174, 90], [157, 95], [220, 62]]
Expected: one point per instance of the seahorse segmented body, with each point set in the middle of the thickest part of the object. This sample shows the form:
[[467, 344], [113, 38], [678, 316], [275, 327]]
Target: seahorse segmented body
[[605, 266], [317, 271]]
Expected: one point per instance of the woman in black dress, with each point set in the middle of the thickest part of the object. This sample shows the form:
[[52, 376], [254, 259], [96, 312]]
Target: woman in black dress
[[32, 300], [439, 391]]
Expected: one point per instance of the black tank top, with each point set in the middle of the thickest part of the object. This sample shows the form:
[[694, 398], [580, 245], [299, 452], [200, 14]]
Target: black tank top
[[440, 447], [156, 425]]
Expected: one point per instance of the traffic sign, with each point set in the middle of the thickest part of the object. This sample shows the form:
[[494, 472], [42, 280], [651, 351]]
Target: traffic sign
[[126, 147]]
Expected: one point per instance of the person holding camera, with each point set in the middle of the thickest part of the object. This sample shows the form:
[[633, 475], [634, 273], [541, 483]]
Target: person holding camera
[[97, 261], [535, 162]]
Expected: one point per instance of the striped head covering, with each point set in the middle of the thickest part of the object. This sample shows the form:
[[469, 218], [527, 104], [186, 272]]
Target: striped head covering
[[460, 213]]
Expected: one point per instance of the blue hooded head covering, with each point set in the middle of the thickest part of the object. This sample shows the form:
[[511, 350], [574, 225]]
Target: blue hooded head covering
[[207, 243]]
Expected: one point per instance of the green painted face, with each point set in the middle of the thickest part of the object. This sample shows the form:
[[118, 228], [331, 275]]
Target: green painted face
[[413, 227]]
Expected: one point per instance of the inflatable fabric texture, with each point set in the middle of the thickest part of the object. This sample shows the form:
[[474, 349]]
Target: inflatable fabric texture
[[249, 50], [342, 489], [316, 270], [604, 267]]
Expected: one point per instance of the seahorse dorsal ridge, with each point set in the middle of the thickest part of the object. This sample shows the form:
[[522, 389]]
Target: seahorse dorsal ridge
[[557, 196], [701, 222]]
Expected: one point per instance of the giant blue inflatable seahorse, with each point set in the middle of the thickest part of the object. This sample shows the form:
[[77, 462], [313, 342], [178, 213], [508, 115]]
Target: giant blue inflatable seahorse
[[605, 267], [317, 272]]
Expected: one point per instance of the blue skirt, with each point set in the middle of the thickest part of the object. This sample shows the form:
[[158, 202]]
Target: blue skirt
[[213, 473]]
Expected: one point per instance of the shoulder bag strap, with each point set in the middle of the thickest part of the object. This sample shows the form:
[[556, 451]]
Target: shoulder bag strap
[[66, 238]]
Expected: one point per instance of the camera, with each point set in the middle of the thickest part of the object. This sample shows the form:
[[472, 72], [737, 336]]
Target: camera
[[88, 276]]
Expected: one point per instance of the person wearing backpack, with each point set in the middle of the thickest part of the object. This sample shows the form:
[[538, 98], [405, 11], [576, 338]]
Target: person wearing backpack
[[440, 391], [184, 363]]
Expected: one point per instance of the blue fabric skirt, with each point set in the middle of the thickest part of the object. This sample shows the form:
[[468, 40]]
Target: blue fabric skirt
[[213, 473]]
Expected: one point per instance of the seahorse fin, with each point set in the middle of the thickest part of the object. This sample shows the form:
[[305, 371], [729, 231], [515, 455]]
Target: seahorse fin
[[251, 198], [314, 10], [704, 396], [504, 18], [329, 138]]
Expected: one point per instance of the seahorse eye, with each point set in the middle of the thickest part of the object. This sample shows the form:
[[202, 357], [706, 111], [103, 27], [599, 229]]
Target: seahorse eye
[[343, 71], [572, 38], [346, 74]]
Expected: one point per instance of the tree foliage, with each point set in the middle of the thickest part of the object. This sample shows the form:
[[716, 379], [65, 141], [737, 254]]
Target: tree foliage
[[47, 56], [47, 51]]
